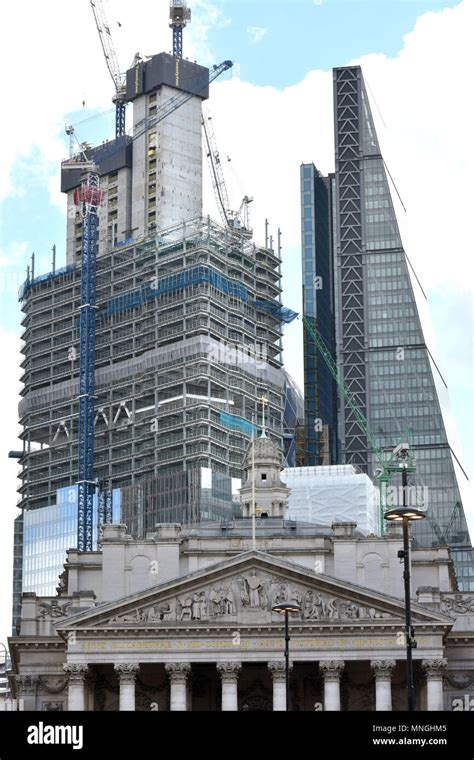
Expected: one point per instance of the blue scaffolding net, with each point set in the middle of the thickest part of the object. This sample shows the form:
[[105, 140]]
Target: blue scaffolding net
[[43, 278], [237, 423], [283, 313], [195, 276]]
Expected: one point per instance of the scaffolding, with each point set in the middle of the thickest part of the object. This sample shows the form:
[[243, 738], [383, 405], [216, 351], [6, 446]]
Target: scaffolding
[[183, 353]]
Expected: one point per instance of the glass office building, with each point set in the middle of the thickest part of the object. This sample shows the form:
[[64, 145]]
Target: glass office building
[[48, 533], [320, 426]]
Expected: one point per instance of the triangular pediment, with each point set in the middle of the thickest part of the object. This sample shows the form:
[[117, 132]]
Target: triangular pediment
[[242, 591]]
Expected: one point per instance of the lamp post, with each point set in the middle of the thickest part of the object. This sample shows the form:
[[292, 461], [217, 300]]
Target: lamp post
[[405, 514], [287, 609]]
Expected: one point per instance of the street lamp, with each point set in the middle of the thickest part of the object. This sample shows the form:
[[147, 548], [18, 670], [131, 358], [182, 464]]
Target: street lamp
[[287, 609], [406, 514]]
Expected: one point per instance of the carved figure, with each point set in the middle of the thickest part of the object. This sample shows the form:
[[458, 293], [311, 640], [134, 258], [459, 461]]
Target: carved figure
[[186, 609]]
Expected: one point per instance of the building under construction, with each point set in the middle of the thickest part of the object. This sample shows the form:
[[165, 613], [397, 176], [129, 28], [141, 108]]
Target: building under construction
[[188, 323]]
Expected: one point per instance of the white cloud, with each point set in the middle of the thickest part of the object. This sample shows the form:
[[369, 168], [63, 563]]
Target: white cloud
[[256, 33], [12, 253]]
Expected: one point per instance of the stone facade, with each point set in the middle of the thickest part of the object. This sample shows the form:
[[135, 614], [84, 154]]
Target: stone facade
[[183, 621]]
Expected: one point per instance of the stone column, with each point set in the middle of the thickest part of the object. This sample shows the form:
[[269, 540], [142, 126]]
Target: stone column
[[383, 683], [434, 683], [178, 673], [76, 688], [26, 690], [277, 669], [332, 671], [229, 673], [127, 674]]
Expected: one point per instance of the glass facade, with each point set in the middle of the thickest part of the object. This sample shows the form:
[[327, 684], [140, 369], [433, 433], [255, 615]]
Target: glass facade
[[17, 572], [293, 422], [320, 427], [381, 350], [48, 533]]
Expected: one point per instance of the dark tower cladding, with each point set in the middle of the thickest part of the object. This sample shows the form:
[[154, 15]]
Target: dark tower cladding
[[320, 431]]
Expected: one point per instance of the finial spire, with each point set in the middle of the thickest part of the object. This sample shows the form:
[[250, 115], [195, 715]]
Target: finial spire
[[264, 402]]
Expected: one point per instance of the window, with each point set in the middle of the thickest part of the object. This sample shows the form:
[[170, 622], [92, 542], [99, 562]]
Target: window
[[264, 476]]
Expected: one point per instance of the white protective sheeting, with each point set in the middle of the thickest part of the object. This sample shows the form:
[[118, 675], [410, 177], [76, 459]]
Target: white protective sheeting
[[324, 495]]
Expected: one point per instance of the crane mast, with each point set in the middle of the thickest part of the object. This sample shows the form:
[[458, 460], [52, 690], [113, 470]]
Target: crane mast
[[112, 64], [88, 198], [180, 16]]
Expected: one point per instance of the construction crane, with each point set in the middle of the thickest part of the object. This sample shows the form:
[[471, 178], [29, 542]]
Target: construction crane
[[180, 15], [88, 198], [111, 60], [386, 466], [236, 220]]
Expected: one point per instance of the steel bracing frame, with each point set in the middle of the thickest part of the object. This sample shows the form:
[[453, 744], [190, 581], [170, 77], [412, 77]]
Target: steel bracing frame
[[349, 202]]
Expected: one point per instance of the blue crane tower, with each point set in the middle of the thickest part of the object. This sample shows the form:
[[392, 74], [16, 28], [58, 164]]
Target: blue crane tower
[[89, 198]]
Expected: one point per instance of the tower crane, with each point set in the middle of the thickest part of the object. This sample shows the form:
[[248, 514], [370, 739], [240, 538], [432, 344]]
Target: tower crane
[[236, 220], [180, 15], [111, 60], [88, 198]]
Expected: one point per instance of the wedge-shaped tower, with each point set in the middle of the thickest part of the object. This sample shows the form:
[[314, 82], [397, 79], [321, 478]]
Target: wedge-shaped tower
[[380, 346]]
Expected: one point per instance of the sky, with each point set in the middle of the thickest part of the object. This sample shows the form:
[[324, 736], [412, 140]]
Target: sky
[[270, 114]]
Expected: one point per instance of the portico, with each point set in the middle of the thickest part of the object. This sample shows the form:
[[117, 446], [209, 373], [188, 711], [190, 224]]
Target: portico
[[205, 639]]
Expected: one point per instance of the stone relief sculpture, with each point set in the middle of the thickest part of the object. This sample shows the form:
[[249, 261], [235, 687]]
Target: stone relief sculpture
[[221, 601], [280, 595], [53, 609], [255, 591], [457, 605]]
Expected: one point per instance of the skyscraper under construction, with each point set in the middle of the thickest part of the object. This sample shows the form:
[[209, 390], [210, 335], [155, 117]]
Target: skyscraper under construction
[[188, 326]]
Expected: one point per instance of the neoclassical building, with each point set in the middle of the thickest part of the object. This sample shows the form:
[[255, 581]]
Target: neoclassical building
[[183, 620]]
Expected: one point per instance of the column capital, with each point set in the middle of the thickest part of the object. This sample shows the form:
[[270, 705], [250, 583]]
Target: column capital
[[229, 671], [434, 668], [127, 672], [76, 671], [278, 670], [332, 669], [27, 684], [383, 668], [178, 671]]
